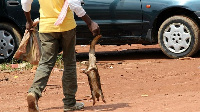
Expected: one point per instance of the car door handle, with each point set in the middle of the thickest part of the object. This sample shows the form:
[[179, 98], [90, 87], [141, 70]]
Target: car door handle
[[13, 3]]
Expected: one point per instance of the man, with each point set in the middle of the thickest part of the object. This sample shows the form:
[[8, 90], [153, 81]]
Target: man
[[51, 37]]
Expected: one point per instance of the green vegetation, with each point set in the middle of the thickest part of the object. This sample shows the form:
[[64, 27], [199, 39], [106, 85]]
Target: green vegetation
[[59, 61], [22, 65]]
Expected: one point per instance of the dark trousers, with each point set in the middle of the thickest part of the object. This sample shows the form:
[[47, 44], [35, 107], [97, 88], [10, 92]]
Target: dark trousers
[[50, 43]]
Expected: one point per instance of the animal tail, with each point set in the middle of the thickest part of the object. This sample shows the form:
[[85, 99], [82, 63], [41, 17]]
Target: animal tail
[[93, 43]]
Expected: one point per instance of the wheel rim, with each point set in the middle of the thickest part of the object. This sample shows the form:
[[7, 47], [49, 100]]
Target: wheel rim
[[7, 44], [177, 38]]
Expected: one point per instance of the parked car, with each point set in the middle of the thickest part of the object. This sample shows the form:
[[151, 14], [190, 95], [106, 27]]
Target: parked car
[[174, 24]]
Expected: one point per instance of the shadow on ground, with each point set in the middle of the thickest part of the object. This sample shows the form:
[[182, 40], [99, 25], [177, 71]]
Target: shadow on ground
[[106, 107], [130, 54]]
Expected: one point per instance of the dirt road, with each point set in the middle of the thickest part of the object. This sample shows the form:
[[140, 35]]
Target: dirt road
[[134, 79]]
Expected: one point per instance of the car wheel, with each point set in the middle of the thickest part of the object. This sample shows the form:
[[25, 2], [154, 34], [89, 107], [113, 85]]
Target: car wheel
[[9, 41], [178, 36]]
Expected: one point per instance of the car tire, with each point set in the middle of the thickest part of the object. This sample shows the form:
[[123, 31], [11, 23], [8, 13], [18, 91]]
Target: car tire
[[178, 36], [10, 39]]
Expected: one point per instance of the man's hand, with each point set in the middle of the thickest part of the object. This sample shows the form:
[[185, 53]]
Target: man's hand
[[29, 23], [93, 26]]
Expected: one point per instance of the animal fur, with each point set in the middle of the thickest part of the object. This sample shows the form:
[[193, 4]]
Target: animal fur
[[93, 74]]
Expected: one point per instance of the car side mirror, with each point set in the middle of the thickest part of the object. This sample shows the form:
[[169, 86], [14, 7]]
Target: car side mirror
[[82, 2]]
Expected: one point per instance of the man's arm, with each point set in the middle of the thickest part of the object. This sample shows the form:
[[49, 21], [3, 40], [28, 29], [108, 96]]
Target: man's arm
[[93, 26], [75, 6], [29, 22], [26, 6]]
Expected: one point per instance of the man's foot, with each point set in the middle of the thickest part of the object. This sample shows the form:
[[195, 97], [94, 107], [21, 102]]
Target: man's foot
[[77, 106], [32, 103]]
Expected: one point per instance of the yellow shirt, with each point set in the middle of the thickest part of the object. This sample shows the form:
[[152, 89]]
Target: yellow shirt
[[49, 11]]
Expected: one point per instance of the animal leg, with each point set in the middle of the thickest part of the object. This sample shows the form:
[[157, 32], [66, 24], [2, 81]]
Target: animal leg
[[102, 97], [93, 97]]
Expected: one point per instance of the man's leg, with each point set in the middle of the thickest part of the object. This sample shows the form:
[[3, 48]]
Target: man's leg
[[69, 79], [49, 50]]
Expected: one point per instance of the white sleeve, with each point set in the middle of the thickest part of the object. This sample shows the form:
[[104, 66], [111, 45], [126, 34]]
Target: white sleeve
[[26, 5], [75, 6]]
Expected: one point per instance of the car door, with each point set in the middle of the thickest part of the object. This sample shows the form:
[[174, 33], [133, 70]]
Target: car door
[[15, 12], [117, 18]]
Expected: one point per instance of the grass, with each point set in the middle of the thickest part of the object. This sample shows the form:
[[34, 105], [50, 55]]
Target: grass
[[4, 66], [26, 65], [59, 61], [8, 66]]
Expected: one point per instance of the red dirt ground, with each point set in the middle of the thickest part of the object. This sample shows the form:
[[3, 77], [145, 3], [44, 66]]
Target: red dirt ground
[[134, 78]]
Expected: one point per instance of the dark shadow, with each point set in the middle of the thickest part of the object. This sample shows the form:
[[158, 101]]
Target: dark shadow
[[197, 55], [130, 54], [52, 108], [106, 108], [109, 107]]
